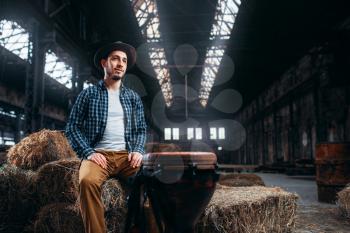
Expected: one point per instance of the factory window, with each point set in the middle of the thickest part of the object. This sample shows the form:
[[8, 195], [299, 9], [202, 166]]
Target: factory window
[[9, 141], [190, 133], [217, 133], [171, 133], [11, 114], [221, 133], [58, 69], [7, 138], [176, 134], [213, 133], [14, 38], [167, 134], [199, 133], [194, 133]]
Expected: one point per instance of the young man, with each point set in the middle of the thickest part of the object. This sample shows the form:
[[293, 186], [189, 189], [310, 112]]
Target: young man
[[106, 129]]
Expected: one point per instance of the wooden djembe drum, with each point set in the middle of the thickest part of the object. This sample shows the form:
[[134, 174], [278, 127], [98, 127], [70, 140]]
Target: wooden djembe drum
[[179, 186]]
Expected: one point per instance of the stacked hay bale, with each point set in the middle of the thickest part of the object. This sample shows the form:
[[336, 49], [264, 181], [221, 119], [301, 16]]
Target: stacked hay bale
[[249, 210], [57, 191], [240, 180], [39, 185], [58, 187], [18, 201], [114, 200], [343, 201], [18, 186], [40, 148], [58, 182], [57, 218]]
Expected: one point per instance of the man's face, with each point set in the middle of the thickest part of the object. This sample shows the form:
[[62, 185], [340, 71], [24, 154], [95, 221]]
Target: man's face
[[115, 65]]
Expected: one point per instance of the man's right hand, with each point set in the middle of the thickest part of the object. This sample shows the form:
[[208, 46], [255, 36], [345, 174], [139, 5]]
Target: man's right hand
[[99, 159]]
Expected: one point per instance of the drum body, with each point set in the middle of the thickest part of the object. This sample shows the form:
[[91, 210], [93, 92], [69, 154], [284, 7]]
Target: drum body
[[182, 184]]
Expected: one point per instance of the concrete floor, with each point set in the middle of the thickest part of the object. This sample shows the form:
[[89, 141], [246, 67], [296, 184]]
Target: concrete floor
[[304, 186], [312, 216]]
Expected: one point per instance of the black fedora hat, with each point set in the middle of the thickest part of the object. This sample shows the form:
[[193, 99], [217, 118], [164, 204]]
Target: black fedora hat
[[104, 51]]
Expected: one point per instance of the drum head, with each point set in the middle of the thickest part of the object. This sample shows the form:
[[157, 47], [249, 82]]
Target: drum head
[[180, 160]]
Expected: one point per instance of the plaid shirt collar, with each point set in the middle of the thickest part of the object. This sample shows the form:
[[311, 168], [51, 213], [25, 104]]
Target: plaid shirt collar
[[102, 85]]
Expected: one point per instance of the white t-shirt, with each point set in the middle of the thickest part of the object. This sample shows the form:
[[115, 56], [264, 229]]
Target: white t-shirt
[[113, 137]]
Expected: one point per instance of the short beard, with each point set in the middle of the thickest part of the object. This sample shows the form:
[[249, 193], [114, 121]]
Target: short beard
[[116, 78]]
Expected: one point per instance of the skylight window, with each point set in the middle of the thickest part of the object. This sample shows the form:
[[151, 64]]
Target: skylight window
[[224, 19], [147, 17], [58, 70], [159, 63], [14, 38], [211, 68]]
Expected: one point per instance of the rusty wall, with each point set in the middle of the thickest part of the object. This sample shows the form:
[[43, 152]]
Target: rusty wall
[[303, 107]]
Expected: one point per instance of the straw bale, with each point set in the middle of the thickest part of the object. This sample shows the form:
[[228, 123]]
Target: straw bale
[[18, 201], [58, 181], [240, 180], [57, 218], [253, 209], [343, 201], [40, 148], [114, 200]]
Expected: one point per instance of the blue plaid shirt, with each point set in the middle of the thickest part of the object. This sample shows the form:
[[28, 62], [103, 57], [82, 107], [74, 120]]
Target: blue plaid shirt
[[88, 119]]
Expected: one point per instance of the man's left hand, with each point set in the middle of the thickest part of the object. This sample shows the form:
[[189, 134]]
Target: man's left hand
[[135, 159]]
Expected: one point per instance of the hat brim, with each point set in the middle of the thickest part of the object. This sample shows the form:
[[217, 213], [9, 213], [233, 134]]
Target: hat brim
[[120, 46]]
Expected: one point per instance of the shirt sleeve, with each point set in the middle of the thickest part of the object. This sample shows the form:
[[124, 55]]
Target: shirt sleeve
[[74, 134], [141, 127]]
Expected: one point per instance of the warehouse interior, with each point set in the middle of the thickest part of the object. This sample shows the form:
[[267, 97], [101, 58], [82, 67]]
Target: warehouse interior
[[262, 84]]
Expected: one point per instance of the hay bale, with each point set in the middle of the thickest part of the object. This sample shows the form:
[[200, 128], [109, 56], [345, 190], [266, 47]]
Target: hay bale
[[249, 209], [57, 218], [40, 148], [58, 181], [18, 201], [343, 201], [114, 200], [240, 180]]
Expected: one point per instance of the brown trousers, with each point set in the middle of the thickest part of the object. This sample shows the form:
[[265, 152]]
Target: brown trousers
[[91, 177]]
